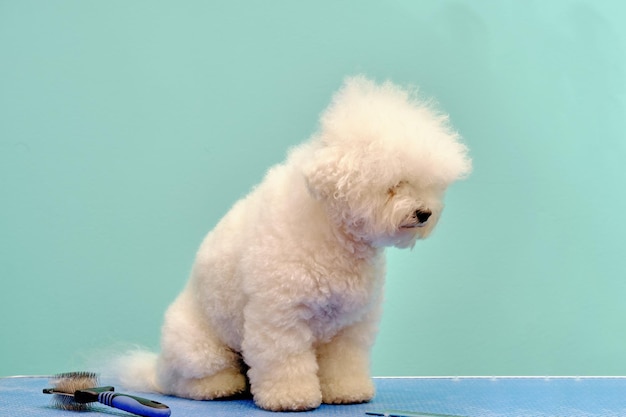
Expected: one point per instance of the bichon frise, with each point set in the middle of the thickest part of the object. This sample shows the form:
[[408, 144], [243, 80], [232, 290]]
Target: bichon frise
[[288, 286]]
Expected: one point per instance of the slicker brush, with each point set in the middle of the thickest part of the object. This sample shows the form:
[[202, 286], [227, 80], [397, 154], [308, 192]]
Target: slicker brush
[[65, 385], [76, 391]]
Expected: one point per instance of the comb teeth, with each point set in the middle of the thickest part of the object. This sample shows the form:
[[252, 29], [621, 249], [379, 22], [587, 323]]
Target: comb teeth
[[69, 383]]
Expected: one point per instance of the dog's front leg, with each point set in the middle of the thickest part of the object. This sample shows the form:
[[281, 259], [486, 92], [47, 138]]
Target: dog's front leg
[[277, 346], [344, 364]]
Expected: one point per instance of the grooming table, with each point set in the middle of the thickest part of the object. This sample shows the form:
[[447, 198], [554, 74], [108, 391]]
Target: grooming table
[[467, 396]]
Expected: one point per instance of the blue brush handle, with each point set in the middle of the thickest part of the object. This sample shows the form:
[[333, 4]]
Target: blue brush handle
[[135, 405]]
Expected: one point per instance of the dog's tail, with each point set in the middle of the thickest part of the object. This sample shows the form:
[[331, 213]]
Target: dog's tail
[[135, 370]]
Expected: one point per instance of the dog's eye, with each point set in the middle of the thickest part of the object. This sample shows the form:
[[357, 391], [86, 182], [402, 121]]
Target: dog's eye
[[392, 190], [398, 185]]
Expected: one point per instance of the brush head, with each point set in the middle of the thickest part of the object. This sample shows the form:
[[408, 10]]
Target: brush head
[[66, 384]]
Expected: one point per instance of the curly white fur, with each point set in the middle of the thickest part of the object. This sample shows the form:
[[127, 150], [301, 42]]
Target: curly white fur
[[288, 286]]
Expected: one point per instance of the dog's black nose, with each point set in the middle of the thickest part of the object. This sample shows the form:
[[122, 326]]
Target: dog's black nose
[[422, 215]]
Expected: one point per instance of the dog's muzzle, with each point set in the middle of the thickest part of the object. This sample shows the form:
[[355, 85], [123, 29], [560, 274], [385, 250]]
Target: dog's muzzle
[[417, 219]]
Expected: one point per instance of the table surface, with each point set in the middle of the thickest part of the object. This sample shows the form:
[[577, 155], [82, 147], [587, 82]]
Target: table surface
[[466, 396]]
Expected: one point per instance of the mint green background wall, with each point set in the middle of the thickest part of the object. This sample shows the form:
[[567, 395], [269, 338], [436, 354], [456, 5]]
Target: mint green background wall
[[127, 128]]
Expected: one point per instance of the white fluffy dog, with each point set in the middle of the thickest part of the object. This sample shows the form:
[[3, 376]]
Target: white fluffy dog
[[288, 286]]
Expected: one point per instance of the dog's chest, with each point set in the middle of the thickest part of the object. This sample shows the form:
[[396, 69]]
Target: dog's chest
[[341, 300], [335, 306]]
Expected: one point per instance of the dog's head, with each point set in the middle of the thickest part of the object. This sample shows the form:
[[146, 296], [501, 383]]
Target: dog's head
[[381, 162]]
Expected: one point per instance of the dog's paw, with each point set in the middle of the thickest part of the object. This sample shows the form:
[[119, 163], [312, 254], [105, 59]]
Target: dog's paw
[[348, 390], [288, 396], [226, 383]]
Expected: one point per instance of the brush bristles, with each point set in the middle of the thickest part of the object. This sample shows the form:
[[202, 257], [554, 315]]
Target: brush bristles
[[73, 381], [66, 402], [70, 382]]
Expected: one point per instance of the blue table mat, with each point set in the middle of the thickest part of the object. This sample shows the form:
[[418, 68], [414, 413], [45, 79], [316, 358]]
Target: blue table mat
[[479, 397]]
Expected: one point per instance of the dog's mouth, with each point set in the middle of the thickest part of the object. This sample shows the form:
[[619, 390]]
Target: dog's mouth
[[412, 225]]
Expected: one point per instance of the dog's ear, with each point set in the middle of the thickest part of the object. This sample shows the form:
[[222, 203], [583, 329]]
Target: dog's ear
[[317, 175], [324, 175]]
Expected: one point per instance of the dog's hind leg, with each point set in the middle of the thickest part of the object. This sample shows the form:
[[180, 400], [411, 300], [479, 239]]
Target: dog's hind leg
[[193, 362]]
